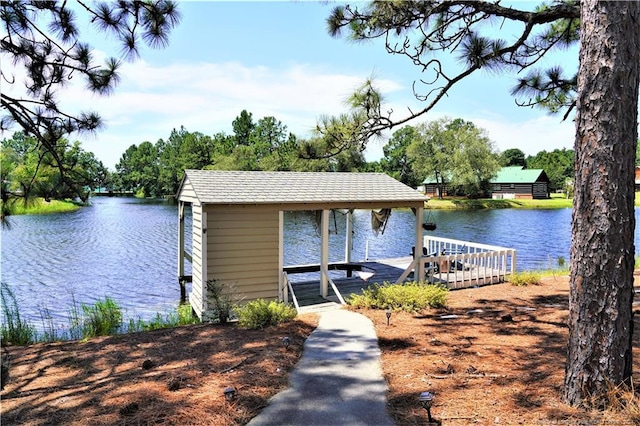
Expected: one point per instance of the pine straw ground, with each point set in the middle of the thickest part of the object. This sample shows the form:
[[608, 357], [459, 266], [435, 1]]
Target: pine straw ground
[[496, 358]]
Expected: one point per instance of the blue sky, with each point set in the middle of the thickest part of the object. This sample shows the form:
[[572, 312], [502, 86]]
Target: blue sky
[[277, 59]]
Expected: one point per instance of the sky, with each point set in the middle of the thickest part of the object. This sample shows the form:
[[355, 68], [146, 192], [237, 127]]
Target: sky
[[277, 59]]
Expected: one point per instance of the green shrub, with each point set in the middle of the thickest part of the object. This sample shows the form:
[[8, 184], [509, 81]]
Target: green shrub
[[260, 313], [525, 278], [14, 329], [411, 297], [103, 318], [221, 298]]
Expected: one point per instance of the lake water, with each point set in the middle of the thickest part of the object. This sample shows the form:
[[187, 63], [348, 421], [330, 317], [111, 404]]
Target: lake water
[[126, 249]]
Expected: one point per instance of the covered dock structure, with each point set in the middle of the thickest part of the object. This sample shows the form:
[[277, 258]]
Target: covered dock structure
[[238, 221]]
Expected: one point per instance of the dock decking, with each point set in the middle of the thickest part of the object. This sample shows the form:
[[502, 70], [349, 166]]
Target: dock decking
[[378, 272]]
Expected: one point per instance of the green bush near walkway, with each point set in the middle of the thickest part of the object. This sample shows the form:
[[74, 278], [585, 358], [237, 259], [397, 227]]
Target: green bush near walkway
[[410, 297], [261, 313]]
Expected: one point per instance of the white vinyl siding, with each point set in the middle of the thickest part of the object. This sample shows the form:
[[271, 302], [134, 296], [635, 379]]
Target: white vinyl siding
[[187, 193], [197, 286]]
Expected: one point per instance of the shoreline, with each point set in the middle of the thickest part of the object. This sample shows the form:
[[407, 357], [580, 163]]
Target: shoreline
[[40, 206]]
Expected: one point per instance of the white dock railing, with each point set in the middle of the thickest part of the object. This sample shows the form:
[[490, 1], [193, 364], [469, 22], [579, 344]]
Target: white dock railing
[[462, 264], [286, 288]]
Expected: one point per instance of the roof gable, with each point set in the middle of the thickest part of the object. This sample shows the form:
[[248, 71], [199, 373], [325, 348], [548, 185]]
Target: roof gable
[[254, 187], [518, 174]]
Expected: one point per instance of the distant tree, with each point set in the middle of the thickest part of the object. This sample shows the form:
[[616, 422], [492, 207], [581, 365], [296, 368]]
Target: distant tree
[[396, 162], [243, 157], [243, 127], [604, 94], [30, 171], [183, 150], [455, 153], [557, 164], [373, 167], [268, 134], [222, 143], [282, 157], [512, 157], [44, 51], [138, 170]]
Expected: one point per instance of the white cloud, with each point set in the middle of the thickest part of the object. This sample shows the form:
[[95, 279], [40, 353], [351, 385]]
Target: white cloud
[[206, 97], [543, 133]]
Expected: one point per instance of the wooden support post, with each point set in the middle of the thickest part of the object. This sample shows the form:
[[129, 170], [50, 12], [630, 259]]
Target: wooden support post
[[183, 291], [348, 244], [418, 273], [180, 239], [181, 282]]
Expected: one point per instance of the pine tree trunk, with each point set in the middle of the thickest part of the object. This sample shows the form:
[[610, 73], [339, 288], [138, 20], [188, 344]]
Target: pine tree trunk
[[602, 247]]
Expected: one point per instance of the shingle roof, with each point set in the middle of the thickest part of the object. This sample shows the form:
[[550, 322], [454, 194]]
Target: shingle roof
[[517, 174], [249, 187]]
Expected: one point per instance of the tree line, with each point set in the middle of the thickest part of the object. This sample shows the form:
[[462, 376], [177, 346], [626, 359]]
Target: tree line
[[455, 152]]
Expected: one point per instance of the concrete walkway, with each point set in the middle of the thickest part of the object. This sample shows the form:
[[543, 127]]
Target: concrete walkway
[[338, 380]]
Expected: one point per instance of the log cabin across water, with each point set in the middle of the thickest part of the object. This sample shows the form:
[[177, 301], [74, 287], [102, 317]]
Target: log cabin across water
[[517, 182], [237, 226]]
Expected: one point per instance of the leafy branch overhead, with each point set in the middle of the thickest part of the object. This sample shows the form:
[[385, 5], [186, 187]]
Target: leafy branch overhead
[[43, 45], [420, 30]]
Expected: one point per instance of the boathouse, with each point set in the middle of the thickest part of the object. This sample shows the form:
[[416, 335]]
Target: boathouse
[[237, 223]]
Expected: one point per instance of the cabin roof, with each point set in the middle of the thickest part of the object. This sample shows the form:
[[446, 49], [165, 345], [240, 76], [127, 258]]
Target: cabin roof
[[257, 187], [518, 174]]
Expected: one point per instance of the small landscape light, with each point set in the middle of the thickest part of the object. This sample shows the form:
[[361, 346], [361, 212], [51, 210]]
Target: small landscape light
[[230, 393], [388, 313], [426, 398], [286, 342]]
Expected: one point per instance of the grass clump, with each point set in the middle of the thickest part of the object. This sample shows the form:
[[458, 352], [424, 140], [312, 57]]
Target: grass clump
[[525, 278], [410, 297], [14, 330], [103, 318], [261, 313], [182, 316]]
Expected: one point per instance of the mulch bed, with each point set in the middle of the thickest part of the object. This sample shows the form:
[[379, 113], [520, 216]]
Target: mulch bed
[[170, 377], [495, 356]]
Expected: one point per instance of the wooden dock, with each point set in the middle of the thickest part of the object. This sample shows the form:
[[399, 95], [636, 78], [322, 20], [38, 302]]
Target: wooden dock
[[382, 271]]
